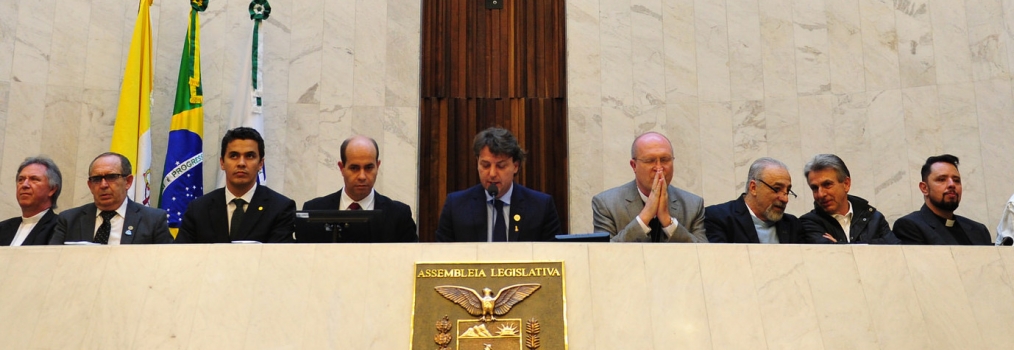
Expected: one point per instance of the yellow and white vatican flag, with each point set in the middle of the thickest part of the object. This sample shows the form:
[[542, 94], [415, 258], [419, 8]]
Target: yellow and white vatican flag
[[247, 108], [132, 132]]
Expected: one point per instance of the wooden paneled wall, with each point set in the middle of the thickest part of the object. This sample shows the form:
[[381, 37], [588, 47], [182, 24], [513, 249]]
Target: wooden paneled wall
[[482, 68]]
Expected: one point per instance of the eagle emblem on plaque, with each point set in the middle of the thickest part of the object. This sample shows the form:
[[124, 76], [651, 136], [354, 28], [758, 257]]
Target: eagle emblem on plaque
[[487, 332]]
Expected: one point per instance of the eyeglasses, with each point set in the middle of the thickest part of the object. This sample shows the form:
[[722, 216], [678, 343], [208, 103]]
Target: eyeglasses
[[653, 161], [787, 190], [97, 179]]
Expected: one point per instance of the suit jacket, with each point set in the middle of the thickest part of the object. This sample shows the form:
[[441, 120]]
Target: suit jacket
[[924, 227], [268, 219], [40, 235], [615, 211], [868, 225], [464, 217], [394, 225], [732, 222], [147, 225]]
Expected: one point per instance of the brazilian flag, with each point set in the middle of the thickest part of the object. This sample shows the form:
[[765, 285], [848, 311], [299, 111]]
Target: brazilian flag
[[183, 179]]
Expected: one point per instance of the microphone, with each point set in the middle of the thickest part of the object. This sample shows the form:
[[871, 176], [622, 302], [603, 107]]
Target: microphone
[[1007, 241], [492, 190]]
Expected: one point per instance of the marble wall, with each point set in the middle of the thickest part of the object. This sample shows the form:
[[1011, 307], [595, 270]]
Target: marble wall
[[882, 83]]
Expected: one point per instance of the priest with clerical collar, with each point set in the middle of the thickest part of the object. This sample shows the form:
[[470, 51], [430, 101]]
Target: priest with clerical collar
[[935, 222]]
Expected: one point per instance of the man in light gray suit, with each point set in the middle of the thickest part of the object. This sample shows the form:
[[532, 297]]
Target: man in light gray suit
[[649, 209], [112, 218]]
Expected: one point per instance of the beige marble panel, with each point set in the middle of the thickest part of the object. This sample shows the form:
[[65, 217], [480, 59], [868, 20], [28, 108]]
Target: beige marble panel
[[888, 171], [96, 121], [679, 314], [746, 61], [891, 298], [680, 49], [960, 125], [995, 106], [647, 53], [845, 46], [276, 129], [811, 45], [60, 103], [683, 128], [222, 316], [950, 322], [124, 285], [778, 48], [783, 294], [950, 41], [383, 324], [852, 141], [102, 67], [60, 314], [616, 65], [880, 45], [399, 180], [403, 51], [577, 288], [987, 285], [749, 125], [334, 127], [514, 251], [69, 44], [338, 55], [618, 272], [987, 38], [923, 135], [305, 67], [584, 166], [283, 297], [717, 154], [838, 297], [29, 274], [340, 309], [33, 40], [712, 35], [371, 36], [618, 124], [167, 312], [734, 314], [300, 153], [915, 43], [8, 24], [1007, 256], [584, 62], [23, 128], [816, 128], [782, 115]]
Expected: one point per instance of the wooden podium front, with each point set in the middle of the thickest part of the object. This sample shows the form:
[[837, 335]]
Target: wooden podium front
[[618, 296]]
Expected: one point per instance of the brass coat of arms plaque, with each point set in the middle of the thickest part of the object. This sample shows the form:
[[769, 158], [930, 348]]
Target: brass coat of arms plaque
[[489, 306]]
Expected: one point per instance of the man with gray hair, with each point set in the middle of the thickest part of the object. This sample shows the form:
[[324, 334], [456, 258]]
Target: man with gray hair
[[838, 217], [38, 186], [758, 215]]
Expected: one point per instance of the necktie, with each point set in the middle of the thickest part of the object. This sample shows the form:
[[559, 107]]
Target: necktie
[[237, 217], [355, 206], [656, 230], [102, 235], [499, 225]]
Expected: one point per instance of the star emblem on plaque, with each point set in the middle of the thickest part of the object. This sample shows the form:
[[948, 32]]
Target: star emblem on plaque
[[456, 306]]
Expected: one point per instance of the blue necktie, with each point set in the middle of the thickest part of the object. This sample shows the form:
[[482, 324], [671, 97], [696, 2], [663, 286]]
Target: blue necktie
[[499, 225]]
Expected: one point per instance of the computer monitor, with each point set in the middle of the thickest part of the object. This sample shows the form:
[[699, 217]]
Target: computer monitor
[[584, 237], [334, 226]]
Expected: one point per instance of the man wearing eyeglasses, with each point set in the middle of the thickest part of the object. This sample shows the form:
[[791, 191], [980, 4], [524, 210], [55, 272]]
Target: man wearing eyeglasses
[[838, 217], [113, 218], [757, 216], [649, 209]]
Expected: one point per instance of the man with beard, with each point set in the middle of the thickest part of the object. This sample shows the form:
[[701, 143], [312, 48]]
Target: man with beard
[[838, 217], [757, 216], [936, 223]]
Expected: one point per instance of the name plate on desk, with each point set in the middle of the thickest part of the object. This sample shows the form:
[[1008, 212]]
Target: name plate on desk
[[489, 306]]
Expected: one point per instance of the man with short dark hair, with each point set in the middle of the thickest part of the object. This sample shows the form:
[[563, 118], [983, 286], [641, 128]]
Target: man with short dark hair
[[113, 218], [838, 217], [649, 208], [39, 183], [498, 209], [360, 164], [242, 211], [935, 222], [758, 215]]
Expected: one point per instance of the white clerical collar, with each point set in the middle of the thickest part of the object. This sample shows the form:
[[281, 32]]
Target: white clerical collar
[[34, 218]]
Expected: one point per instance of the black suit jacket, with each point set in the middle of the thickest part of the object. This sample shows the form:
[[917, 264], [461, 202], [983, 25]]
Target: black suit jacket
[[532, 216], [394, 225], [146, 225], [868, 225], [268, 219], [732, 222], [924, 227], [40, 234]]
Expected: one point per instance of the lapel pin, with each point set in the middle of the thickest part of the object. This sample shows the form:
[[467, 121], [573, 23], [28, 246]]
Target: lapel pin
[[517, 217], [260, 208], [129, 231]]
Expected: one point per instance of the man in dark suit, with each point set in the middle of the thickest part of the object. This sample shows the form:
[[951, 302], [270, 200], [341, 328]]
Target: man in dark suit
[[649, 209], [113, 218], [242, 211], [935, 222], [39, 185], [498, 209], [838, 217], [757, 216], [360, 164]]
